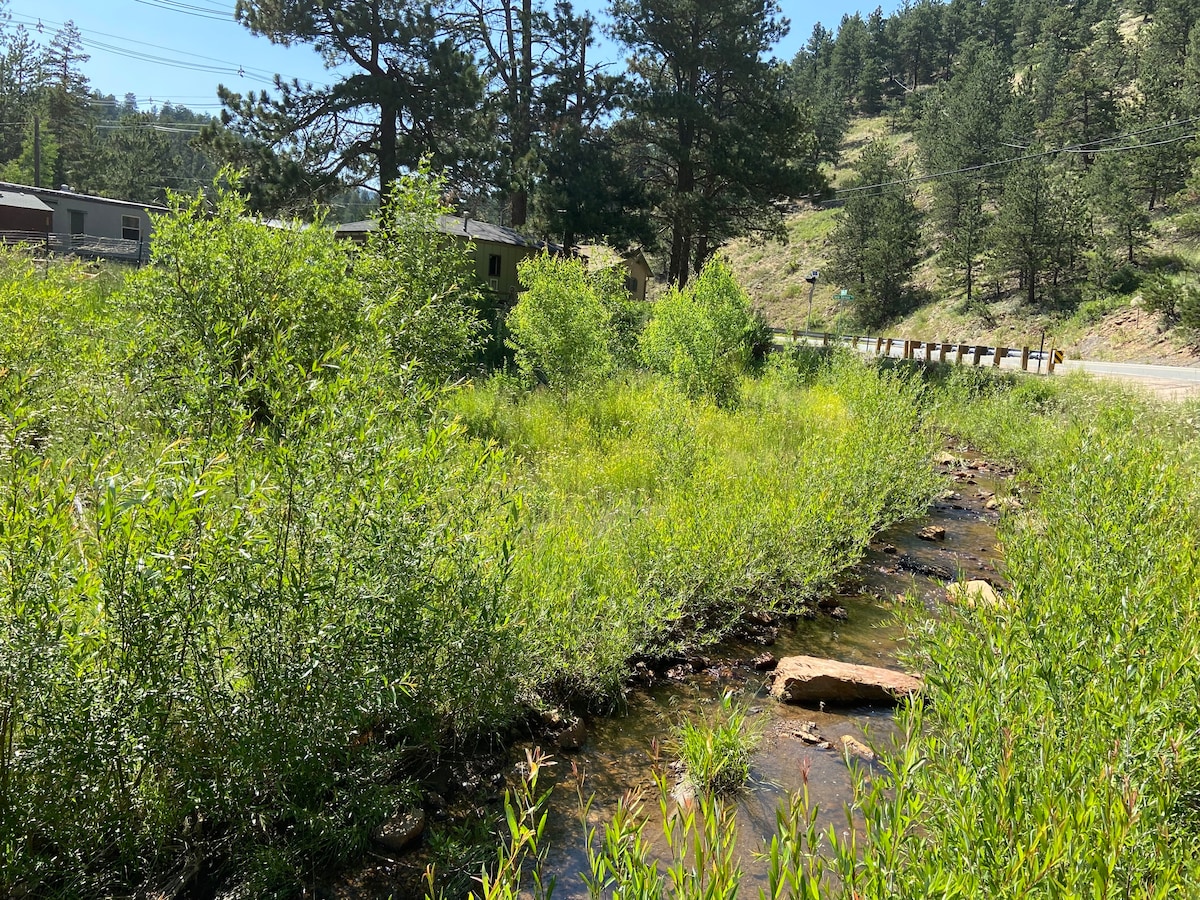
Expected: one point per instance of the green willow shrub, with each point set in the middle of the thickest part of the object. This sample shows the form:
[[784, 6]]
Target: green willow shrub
[[239, 315], [703, 336], [559, 329], [419, 284]]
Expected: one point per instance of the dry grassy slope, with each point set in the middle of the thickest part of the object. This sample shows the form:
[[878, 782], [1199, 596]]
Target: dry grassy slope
[[1114, 329]]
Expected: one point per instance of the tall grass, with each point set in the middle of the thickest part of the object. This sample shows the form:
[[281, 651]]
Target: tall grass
[[651, 522], [1055, 751]]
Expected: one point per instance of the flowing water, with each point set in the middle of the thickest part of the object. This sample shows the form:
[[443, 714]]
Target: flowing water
[[858, 626]]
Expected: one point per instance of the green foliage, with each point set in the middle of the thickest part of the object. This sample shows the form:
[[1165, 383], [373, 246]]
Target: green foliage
[[1061, 726], [652, 522], [418, 284], [876, 241], [560, 326], [716, 754], [239, 316], [702, 336]]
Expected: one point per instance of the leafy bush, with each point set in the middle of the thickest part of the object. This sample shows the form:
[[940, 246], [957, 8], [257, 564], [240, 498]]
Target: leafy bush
[[560, 326], [702, 336], [239, 316], [419, 284]]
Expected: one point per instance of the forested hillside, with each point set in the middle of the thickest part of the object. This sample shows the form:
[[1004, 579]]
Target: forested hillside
[[1030, 162]]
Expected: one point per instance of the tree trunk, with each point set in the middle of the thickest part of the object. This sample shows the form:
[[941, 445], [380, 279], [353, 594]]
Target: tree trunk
[[522, 138], [389, 168]]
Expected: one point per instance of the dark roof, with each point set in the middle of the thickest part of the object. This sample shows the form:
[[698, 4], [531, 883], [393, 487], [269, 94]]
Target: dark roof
[[43, 193], [464, 227], [22, 201]]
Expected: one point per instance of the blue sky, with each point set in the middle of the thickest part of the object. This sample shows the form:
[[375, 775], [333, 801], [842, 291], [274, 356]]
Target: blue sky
[[180, 50]]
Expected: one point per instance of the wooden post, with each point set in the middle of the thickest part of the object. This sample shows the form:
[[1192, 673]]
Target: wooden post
[[825, 338], [878, 345], [942, 348], [795, 335], [1024, 359], [998, 354], [978, 353], [908, 349], [928, 351], [962, 348], [887, 347], [1050, 362]]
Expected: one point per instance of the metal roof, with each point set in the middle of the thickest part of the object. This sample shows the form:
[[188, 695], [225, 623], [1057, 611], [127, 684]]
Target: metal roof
[[43, 193], [22, 201], [461, 226]]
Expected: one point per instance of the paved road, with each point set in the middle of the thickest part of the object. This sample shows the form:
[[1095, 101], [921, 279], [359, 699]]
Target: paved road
[[1167, 381], [1173, 382]]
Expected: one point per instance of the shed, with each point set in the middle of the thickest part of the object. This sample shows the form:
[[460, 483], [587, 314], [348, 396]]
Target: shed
[[23, 217], [637, 269], [498, 249]]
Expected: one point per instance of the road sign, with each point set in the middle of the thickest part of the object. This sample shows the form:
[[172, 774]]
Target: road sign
[[843, 296], [1058, 357]]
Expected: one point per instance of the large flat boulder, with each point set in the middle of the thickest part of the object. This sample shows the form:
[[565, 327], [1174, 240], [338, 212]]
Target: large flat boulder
[[810, 680]]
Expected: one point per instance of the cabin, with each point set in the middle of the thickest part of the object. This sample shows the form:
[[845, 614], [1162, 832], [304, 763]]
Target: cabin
[[94, 227], [497, 249], [24, 219], [633, 264]]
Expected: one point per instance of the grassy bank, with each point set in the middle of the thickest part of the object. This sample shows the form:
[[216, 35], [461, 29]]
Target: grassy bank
[[652, 523], [1054, 753]]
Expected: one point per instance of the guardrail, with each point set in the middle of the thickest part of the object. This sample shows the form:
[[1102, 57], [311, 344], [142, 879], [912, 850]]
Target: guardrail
[[927, 351]]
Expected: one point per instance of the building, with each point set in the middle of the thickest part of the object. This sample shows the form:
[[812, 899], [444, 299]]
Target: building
[[497, 249], [95, 227], [24, 218], [633, 263]]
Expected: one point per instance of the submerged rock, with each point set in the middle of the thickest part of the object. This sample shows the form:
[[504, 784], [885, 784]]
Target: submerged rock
[[810, 679], [765, 662], [854, 747], [972, 594], [932, 533], [573, 736]]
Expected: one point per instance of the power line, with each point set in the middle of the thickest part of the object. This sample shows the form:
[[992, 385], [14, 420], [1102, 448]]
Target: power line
[[1087, 147], [187, 9], [221, 67]]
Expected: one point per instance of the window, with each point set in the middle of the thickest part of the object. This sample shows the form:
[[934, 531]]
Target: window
[[77, 217], [631, 284], [494, 266], [131, 228]]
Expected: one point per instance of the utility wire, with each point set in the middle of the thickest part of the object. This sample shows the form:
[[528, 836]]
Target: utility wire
[[1086, 147], [199, 12], [225, 66]]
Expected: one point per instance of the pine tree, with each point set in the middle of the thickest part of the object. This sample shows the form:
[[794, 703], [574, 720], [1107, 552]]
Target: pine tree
[[710, 128], [876, 243]]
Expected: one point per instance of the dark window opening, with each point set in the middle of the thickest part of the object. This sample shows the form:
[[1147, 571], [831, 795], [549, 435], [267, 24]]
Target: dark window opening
[[493, 266], [131, 228], [77, 217], [631, 284]]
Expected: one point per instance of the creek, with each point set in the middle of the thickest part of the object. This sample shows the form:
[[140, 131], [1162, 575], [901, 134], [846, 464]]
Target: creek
[[856, 624]]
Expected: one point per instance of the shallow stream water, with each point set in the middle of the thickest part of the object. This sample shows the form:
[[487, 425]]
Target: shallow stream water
[[618, 755]]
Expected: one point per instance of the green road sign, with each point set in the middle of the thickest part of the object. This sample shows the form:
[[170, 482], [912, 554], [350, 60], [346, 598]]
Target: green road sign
[[843, 296]]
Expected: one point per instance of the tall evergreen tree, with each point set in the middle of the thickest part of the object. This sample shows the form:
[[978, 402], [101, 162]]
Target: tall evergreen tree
[[413, 91], [712, 131], [876, 242]]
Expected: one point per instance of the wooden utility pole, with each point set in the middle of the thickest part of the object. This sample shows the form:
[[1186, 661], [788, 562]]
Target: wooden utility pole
[[37, 151]]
